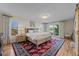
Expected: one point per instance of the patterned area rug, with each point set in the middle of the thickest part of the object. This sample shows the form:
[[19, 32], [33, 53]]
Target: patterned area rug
[[49, 48]]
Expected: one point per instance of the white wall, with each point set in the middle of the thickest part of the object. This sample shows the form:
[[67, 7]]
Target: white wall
[[68, 27]]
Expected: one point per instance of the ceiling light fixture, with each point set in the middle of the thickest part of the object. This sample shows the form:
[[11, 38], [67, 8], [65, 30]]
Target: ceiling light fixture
[[45, 16]]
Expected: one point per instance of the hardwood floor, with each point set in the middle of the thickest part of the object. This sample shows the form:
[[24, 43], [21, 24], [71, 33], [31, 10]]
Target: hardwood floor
[[65, 50], [8, 50]]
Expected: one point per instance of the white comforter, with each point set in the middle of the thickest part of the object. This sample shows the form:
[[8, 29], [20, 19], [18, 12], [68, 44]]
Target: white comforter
[[38, 36]]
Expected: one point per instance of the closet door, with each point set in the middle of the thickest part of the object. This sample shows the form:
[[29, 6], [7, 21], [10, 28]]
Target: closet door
[[77, 29]]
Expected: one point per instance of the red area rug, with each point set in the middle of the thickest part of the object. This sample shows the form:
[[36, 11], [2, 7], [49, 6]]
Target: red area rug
[[49, 48], [34, 51]]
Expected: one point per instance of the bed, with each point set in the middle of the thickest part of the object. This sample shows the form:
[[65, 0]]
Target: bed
[[38, 38]]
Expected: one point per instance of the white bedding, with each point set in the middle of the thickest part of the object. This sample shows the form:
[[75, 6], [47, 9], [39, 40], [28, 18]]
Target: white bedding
[[38, 36]]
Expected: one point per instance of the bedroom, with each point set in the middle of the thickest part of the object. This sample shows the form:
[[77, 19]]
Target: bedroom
[[38, 29]]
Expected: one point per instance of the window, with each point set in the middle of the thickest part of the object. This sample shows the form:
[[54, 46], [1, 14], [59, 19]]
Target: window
[[54, 29], [32, 24], [14, 27]]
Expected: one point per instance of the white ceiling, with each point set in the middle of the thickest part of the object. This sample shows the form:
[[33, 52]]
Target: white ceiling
[[33, 11]]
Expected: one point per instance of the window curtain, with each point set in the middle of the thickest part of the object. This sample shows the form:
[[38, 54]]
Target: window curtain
[[5, 26]]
